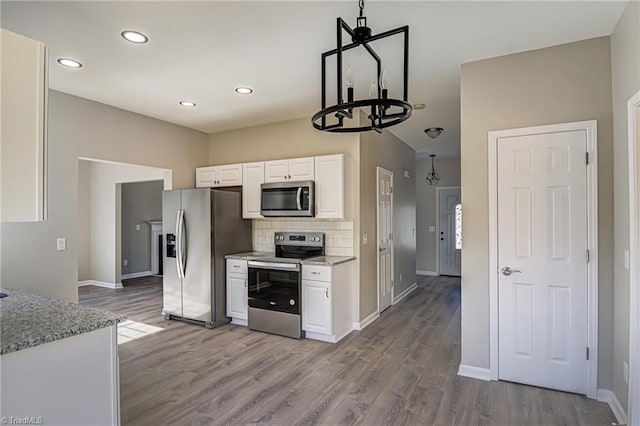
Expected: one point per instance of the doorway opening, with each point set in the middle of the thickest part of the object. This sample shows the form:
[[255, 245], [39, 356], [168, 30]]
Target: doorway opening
[[384, 240]]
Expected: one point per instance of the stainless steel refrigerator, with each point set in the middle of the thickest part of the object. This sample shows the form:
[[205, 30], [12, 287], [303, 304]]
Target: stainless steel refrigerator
[[200, 227]]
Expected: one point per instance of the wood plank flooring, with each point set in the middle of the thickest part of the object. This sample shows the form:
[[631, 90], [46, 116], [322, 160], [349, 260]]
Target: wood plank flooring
[[399, 370]]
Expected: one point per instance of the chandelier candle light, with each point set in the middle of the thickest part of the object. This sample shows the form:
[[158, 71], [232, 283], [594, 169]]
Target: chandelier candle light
[[379, 104]]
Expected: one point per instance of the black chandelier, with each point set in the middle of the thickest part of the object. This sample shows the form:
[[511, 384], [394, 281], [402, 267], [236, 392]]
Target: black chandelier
[[377, 107], [432, 177]]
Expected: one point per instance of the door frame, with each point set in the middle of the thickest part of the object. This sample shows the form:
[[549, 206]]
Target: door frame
[[378, 170], [590, 128], [633, 403], [438, 222]]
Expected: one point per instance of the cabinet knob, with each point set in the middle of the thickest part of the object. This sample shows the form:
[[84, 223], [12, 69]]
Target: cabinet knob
[[289, 177]]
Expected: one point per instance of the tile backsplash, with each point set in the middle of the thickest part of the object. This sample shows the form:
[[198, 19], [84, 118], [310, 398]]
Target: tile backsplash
[[338, 234]]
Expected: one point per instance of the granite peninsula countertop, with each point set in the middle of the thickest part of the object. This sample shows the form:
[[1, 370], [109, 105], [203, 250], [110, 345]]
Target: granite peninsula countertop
[[327, 260], [28, 320]]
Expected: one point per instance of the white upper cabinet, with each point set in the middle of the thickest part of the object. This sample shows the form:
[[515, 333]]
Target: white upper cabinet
[[252, 177], [23, 139], [292, 170], [217, 176], [333, 187]]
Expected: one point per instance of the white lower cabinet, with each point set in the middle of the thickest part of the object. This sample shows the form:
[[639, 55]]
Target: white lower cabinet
[[237, 291], [327, 301]]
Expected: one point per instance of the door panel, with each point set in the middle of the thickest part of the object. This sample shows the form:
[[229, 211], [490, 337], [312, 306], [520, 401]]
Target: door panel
[[542, 237], [276, 171], [196, 284], [171, 282], [316, 310], [237, 296], [385, 237], [450, 258], [301, 168]]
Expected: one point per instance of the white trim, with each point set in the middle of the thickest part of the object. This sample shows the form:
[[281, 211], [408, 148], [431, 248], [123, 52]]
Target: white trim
[[633, 401], [438, 223], [605, 395], [238, 321], [393, 241], [405, 293], [329, 338], [137, 275], [100, 284], [474, 372], [590, 127], [423, 272], [365, 322]]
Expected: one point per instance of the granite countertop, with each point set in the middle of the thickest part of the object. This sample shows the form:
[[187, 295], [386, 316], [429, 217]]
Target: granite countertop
[[27, 320], [327, 260], [249, 254]]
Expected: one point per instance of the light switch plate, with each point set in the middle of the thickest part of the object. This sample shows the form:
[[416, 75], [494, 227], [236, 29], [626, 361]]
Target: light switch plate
[[61, 244], [625, 371], [364, 239], [626, 259], [137, 227], [432, 228]]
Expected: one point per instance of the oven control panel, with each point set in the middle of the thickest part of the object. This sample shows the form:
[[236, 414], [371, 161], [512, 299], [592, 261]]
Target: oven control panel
[[315, 239]]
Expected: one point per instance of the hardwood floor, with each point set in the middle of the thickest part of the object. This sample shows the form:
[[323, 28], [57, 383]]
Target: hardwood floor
[[399, 370]]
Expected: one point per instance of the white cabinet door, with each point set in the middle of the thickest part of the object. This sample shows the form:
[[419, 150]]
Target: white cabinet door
[[237, 296], [205, 177], [276, 171], [301, 169], [24, 77], [330, 190], [252, 177], [230, 175], [316, 307]]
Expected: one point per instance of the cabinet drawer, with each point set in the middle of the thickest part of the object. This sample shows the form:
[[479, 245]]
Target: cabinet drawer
[[316, 273], [236, 266]]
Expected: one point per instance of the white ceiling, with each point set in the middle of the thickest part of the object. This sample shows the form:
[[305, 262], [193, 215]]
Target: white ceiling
[[201, 51]]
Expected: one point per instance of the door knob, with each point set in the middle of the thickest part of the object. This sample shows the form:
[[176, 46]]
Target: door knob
[[506, 271]]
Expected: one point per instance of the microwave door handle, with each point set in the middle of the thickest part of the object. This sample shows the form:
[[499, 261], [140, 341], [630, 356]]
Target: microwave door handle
[[298, 198]]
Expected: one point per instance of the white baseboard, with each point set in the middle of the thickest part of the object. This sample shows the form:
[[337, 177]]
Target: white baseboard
[[474, 372], [365, 322], [238, 321], [100, 284], [605, 395], [137, 275], [421, 272], [405, 293]]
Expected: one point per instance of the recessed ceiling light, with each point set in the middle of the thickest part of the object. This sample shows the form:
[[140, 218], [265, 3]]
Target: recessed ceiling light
[[187, 103], [418, 107], [244, 90], [71, 63], [134, 37]]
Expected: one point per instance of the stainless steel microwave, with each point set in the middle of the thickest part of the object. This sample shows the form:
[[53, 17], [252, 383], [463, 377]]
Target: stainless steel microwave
[[287, 199]]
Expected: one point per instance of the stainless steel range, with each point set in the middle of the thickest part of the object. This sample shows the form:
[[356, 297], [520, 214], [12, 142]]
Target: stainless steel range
[[275, 283]]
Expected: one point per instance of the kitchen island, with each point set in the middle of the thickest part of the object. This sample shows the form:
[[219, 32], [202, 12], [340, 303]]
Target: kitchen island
[[58, 362]]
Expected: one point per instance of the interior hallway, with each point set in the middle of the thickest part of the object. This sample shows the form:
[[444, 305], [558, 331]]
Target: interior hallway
[[399, 370]]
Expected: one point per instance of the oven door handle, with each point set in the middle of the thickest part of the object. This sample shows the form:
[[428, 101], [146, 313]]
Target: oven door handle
[[273, 265]]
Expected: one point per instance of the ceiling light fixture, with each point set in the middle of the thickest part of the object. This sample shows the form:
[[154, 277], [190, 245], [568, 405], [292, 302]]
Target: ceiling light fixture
[[134, 36], [382, 111], [432, 177], [71, 63], [187, 104], [434, 132], [244, 90]]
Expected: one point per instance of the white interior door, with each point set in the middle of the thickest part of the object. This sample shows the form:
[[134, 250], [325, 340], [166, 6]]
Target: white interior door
[[542, 258], [449, 259], [385, 237]]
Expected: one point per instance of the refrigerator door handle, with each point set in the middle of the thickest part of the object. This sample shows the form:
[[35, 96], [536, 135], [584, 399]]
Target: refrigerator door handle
[[298, 198], [183, 243], [179, 230]]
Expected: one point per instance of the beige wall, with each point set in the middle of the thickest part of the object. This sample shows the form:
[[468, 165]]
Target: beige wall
[[387, 151], [141, 202], [625, 69], [82, 128], [426, 214], [570, 82]]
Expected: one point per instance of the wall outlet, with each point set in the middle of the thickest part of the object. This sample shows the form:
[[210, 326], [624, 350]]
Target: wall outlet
[[61, 244], [137, 227], [432, 228], [625, 371], [364, 239], [125, 262]]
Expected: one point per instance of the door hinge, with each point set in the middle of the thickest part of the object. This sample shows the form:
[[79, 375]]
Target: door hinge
[[588, 256], [587, 157], [587, 353]]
